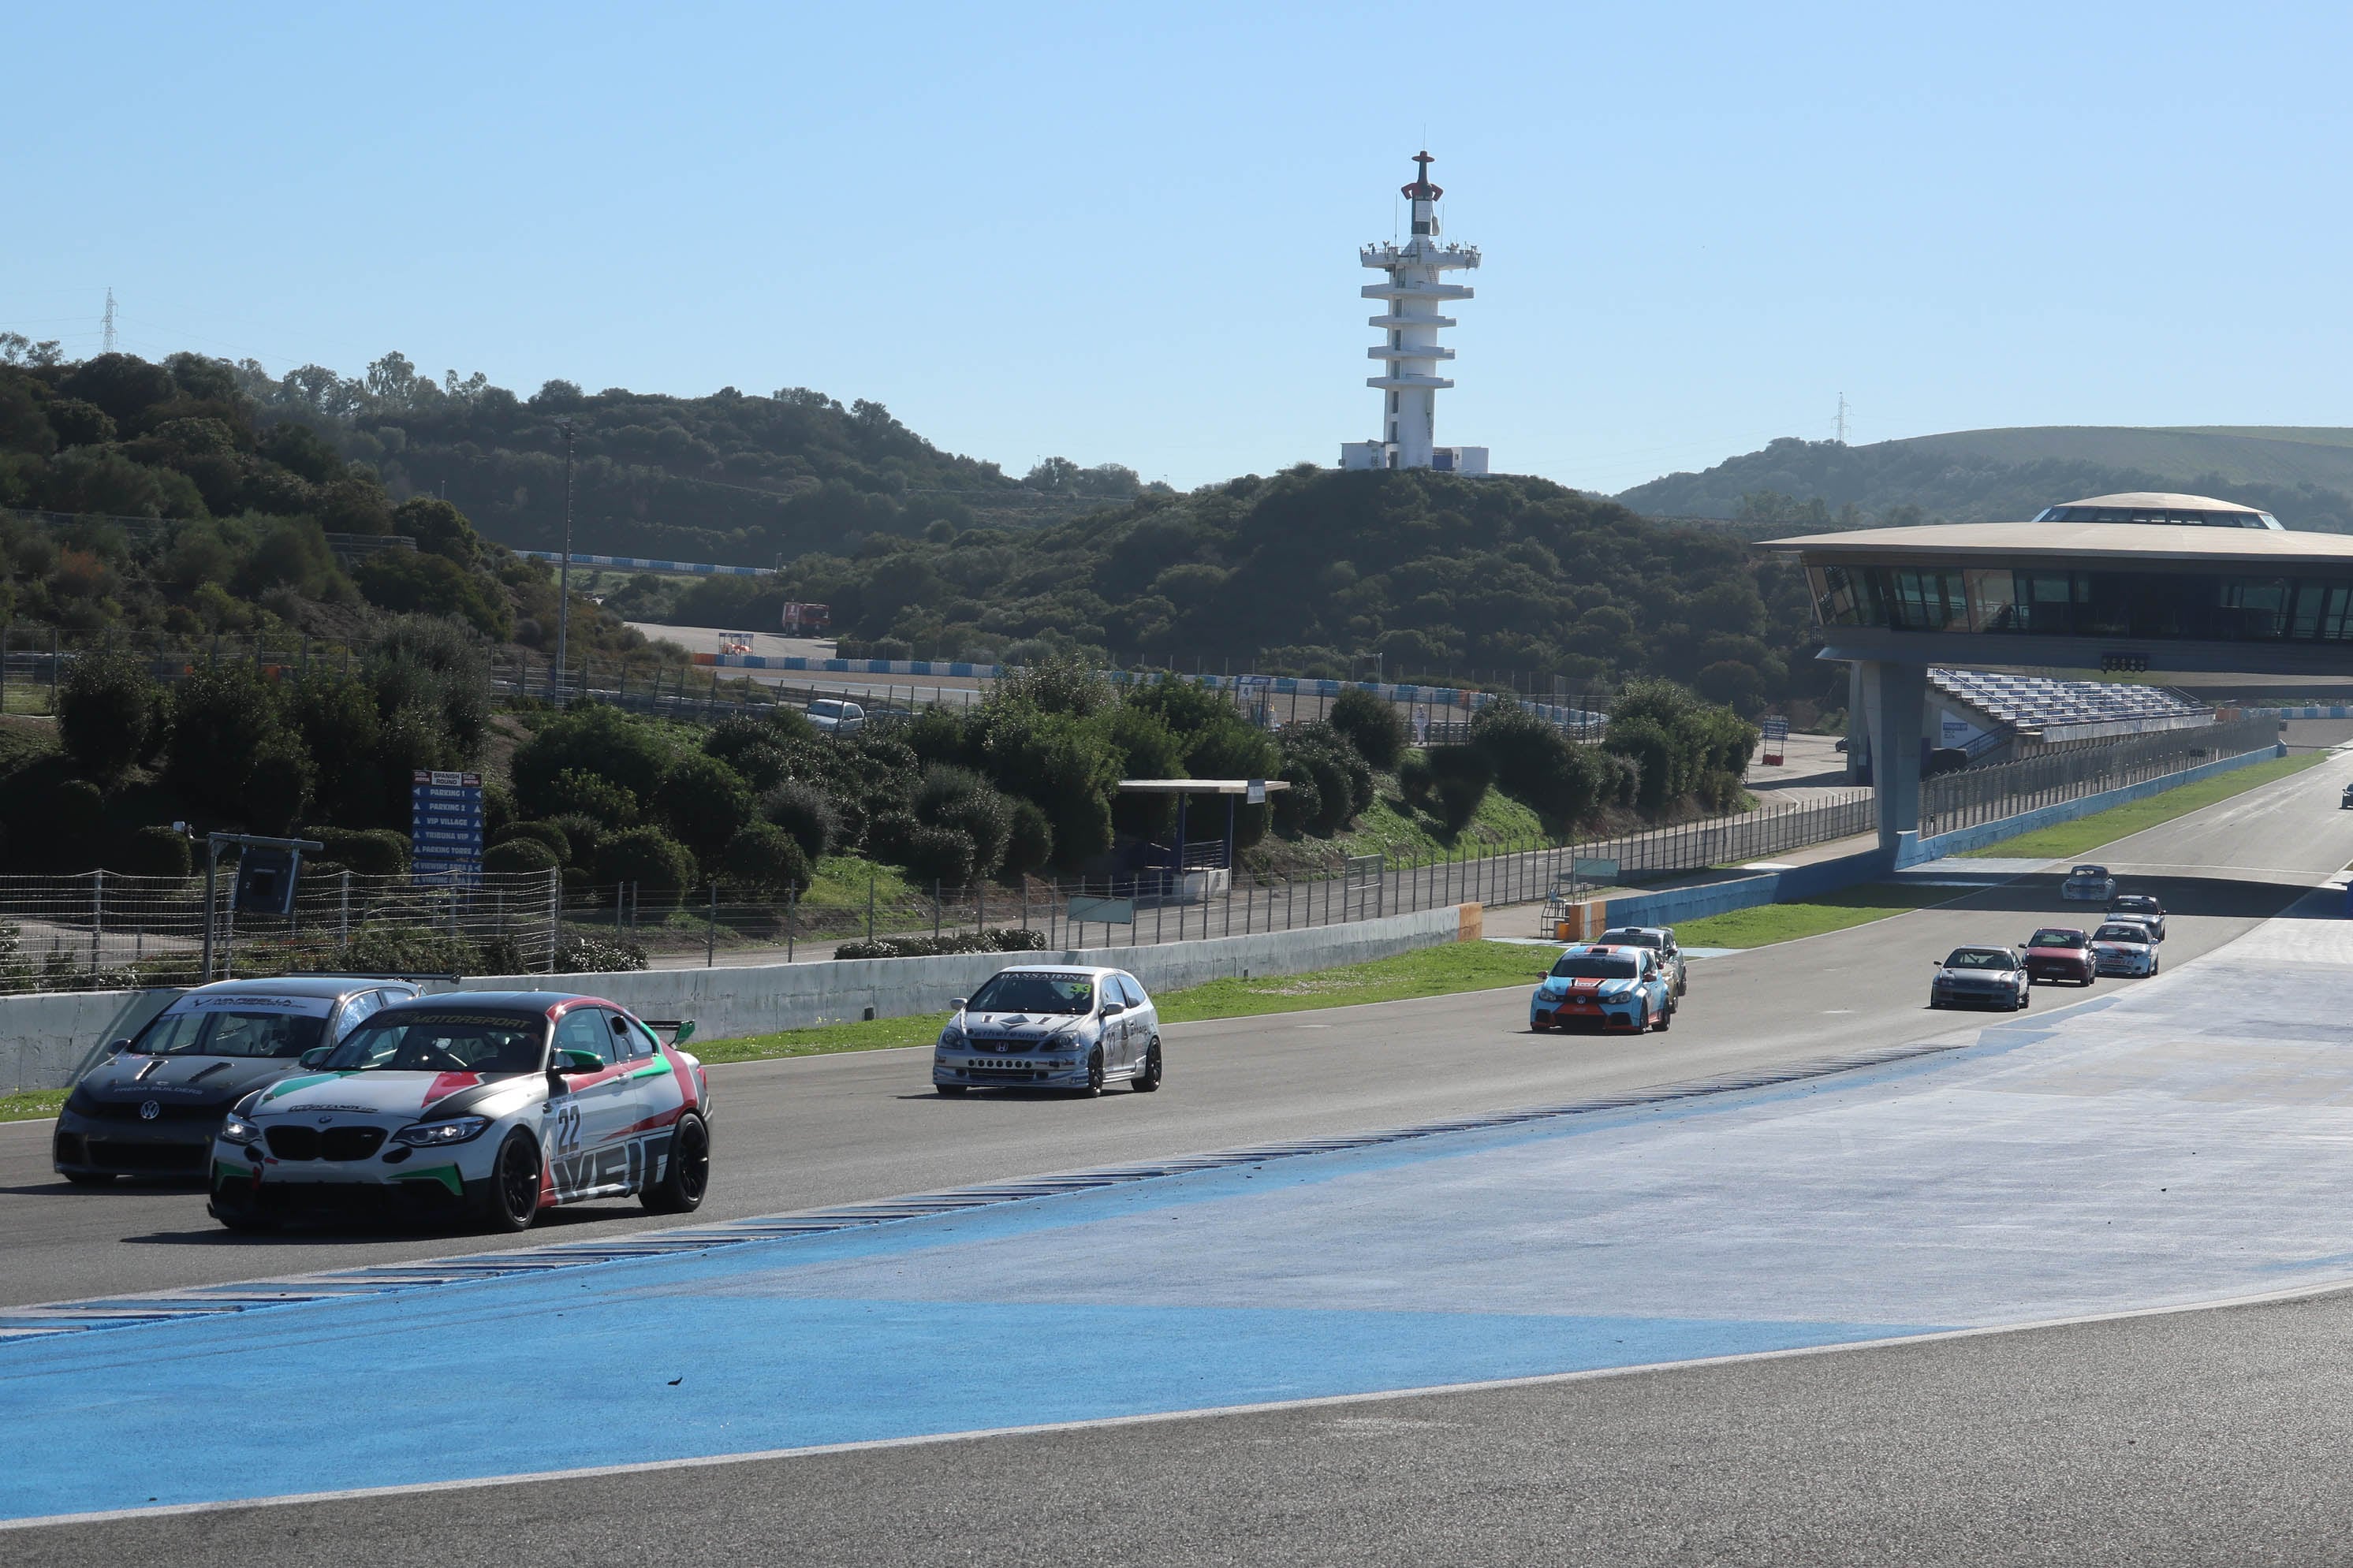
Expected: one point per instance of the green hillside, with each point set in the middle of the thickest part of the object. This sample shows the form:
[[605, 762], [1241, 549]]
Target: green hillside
[[2304, 476]]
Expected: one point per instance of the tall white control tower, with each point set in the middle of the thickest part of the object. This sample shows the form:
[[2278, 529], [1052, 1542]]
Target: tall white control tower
[[1409, 355]]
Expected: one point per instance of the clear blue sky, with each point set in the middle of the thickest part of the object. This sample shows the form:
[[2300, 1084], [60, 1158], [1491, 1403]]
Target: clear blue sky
[[1127, 234]]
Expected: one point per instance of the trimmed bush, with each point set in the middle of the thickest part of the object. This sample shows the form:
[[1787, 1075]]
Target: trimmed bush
[[941, 856], [157, 851], [370, 852], [648, 857], [598, 955], [595, 741], [961, 799], [386, 949], [804, 811], [1415, 781], [1300, 806], [1459, 777], [73, 819], [584, 837], [110, 713], [763, 858], [576, 792], [1372, 725], [518, 855], [1029, 839], [1006, 940], [704, 804], [558, 843]]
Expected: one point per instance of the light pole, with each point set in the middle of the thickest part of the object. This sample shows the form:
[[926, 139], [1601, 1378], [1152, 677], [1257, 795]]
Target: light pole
[[564, 572]]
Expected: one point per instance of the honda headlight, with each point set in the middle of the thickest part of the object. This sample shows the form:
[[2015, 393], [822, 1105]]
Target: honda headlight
[[435, 1134], [951, 1039], [236, 1129]]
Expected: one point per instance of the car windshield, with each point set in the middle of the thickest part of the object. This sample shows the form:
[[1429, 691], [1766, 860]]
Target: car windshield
[[1593, 966], [1635, 939], [2091, 870], [488, 1043], [2135, 905], [1981, 958], [828, 710], [230, 1033], [2051, 936], [2121, 933], [1012, 990]]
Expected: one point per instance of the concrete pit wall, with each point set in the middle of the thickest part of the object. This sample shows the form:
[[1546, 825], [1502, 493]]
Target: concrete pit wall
[[47, 1041]]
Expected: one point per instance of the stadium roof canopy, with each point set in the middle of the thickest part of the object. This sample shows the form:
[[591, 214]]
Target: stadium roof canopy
[[2233, 549]]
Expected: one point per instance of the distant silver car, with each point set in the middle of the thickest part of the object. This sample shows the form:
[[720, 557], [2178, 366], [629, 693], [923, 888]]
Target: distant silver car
[[151, 1107], [1981, 977], [2124, 947], [831, 715], [1050, 1027], [1660, 940], [2089, 882]]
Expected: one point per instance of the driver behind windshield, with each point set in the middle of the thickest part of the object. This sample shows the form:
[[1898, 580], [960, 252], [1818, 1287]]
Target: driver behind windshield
[[1981, 958], [488, 1043], [1593, 966], [1067, 995], [2053, 937]]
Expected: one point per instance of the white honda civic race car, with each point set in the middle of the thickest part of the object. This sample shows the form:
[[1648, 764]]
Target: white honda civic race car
[[492, 1105], [1046, 1027]]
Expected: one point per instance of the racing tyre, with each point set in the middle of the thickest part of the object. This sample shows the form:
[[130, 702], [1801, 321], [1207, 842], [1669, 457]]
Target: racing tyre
[[508, 1200], [1147, 1077], [1095, 1072], [90, 1178], [2153, 964], [688, 1172], [950, 1089], [1667, 1016]]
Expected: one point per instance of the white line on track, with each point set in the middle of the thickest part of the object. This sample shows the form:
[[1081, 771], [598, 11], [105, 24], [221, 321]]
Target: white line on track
[[819, 1450]]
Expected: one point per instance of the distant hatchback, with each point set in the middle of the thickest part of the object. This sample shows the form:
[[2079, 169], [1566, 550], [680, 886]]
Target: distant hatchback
[[2124, 947], [151, 1107], [1050, 1026], [1660, 940], [1596, 986], [2089, 882], [2142, 908], [834, 717], [2060, 953], [1981, 977]]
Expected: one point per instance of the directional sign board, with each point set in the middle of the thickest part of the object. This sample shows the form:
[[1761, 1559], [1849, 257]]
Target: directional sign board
[[1777, 740], [445, 828], [1106, 912]]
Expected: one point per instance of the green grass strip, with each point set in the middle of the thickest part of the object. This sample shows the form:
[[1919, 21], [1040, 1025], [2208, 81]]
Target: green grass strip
[[29, 1104], [2065, 840], [1769, 923], [1427, 971]]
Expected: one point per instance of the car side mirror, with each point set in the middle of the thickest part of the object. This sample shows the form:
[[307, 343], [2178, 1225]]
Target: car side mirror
[[959, 1003], [116, 1047], [571, 1062], [1114, 1009], [316, 1057]]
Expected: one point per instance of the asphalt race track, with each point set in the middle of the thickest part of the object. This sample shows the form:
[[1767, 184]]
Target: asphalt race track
[[819, 1130], [2169, 1143]]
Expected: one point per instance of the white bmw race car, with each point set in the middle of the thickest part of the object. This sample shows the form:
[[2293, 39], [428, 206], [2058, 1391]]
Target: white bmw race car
[[492, 1104]]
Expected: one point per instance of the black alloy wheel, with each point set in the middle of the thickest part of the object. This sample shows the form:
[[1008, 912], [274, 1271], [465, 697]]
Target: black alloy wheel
[[1095, 1072], [1147, 1077], [510, 1197], [688, 1174]]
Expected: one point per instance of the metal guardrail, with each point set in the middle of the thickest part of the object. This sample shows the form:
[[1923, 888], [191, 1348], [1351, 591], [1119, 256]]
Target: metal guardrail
[[2009, 789]]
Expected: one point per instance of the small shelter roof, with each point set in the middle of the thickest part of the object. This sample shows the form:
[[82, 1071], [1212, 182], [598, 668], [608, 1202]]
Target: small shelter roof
[[1198, 786]]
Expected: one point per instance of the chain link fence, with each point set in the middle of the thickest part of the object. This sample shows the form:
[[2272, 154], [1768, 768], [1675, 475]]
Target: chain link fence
[[103, 931], [2009, 789]]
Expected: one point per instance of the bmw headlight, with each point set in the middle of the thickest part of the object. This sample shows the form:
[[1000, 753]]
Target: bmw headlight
[[435, 1134], [236, 1129]]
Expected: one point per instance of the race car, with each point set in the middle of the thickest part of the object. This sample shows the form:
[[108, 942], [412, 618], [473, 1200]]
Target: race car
[[1595, 986], [2124, 947], [2058, 953], [1660, 940], [489, 1104], [2090, 882], [2142, 908], [1981, 977], [1050, 1026], [151, 1105]]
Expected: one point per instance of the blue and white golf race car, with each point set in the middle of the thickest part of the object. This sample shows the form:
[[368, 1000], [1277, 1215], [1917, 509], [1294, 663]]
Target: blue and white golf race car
[[1608, 989]]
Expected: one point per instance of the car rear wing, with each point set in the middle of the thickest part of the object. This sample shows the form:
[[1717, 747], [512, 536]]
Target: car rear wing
[[679, 1030]]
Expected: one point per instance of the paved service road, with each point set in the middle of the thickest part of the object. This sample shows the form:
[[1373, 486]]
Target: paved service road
[[819, 1130]]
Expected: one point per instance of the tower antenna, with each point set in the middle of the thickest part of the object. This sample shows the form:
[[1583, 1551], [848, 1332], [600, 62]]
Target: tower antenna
[[1842, 419], [108, 324]]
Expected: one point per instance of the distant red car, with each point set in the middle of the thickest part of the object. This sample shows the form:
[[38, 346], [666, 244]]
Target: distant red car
[[2060, 952]]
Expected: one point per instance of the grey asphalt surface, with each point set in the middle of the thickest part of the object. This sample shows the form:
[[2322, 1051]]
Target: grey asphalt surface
[[811, 1131], [2206, 1437]]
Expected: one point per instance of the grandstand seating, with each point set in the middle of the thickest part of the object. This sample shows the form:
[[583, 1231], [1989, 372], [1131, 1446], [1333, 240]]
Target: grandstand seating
[[2034, 704]]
